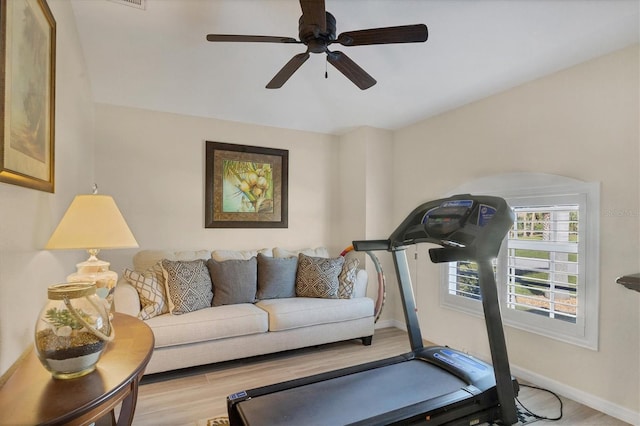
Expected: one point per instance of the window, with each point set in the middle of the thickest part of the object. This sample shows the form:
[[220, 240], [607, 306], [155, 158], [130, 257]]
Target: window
[[547, 270]]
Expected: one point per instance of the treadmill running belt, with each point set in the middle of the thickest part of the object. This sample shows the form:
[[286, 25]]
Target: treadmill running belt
[[351, 398]]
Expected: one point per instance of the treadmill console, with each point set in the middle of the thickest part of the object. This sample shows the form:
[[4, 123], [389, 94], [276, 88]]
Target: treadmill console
[[466, 226], [451, 216], [447, 218]]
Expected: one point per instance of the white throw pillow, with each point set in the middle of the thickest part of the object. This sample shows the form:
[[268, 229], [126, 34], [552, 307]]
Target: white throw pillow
[[151, 290]]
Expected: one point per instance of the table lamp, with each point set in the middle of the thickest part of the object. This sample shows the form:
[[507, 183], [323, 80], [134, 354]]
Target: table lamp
[[93, 222]]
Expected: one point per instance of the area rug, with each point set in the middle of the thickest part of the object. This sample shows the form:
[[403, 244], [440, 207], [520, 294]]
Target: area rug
[[215, 421]]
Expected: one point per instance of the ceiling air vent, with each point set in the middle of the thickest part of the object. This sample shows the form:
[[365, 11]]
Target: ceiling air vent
[[138, 4]]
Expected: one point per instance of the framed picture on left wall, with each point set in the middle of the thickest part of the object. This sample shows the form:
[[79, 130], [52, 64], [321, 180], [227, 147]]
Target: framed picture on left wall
[[27, 94]]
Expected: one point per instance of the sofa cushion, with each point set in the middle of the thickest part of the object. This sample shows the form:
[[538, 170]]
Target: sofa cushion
[[151, 291], [315, 252], [360, 286], [234, 281], [145, 259], [208, 324], [296, 312], [276, 277], [222, 255], [318, 276], [188, 285]]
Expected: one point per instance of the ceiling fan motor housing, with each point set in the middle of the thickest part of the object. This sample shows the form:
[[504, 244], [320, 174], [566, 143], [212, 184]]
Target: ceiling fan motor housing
[[311, 36]]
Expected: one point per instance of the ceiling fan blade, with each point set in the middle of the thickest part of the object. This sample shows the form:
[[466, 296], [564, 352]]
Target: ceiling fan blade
[[251, 38], [350, 69], [287, 71], [403, 34], [314, 13]]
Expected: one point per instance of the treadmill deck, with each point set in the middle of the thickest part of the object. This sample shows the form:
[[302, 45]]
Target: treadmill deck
[[352, 398]]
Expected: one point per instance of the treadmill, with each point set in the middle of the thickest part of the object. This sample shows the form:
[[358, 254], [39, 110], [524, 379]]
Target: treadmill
[[429, 385]]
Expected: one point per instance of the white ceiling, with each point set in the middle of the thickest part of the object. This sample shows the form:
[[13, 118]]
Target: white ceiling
[[158, 58]]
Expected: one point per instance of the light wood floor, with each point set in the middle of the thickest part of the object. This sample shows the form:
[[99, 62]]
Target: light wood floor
[[191, 398]]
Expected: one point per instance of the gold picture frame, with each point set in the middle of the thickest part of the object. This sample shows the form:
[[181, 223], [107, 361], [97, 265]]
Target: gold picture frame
[[246, 186], [27, 95]]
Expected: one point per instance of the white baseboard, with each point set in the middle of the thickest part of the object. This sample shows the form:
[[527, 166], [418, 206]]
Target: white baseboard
[[607, 407], [391, 323]]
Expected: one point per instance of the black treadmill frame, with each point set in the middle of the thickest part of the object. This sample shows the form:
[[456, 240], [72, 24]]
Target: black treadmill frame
[[486, 247], [457, 410]]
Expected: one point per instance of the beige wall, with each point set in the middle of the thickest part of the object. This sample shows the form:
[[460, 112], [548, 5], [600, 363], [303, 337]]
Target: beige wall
[[580, 123], [153, 164], [365, 212], [28, 217]]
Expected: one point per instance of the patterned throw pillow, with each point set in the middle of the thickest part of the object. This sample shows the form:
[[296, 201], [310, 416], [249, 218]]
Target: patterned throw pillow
[[347, 278], [188, 285], [318, 276], [150, 287]]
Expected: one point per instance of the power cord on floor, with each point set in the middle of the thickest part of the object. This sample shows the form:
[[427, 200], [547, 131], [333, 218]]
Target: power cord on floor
[[539, 417]]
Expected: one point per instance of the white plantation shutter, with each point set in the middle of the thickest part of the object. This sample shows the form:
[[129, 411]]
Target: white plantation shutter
[[548, 268], [543, 261]]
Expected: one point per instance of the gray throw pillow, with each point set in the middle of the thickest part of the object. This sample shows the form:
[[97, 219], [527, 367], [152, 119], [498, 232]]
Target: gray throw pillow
[[188, 285], [234, 281], [276, 277], [318, 276]]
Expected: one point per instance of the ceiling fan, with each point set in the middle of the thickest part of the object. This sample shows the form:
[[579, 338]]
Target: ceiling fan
[[317, 31]]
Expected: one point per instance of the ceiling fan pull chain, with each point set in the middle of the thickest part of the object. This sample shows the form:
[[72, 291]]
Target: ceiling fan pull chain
[[326, 74]]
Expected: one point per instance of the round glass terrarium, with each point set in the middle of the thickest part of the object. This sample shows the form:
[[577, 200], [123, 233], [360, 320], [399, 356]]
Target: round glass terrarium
[[72, 330]]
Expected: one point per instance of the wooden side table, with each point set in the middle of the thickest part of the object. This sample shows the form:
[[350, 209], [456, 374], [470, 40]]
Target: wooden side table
[[31, 396]]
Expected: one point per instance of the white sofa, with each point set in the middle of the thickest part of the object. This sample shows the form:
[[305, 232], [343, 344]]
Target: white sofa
[[223, 333]]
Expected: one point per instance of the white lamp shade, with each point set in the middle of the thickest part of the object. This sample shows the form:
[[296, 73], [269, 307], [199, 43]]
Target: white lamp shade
[[92, 222]]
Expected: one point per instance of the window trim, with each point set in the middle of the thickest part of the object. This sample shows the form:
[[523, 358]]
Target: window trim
[[516, 188]]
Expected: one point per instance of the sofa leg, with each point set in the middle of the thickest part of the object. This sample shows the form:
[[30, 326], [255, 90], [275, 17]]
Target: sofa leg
[[367, 340]]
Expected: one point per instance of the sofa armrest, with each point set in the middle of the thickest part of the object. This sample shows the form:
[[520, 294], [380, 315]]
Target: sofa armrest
[[126, 299], [360, 286]]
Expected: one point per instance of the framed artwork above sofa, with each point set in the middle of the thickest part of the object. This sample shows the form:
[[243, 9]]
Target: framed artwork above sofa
[[245, 186]]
